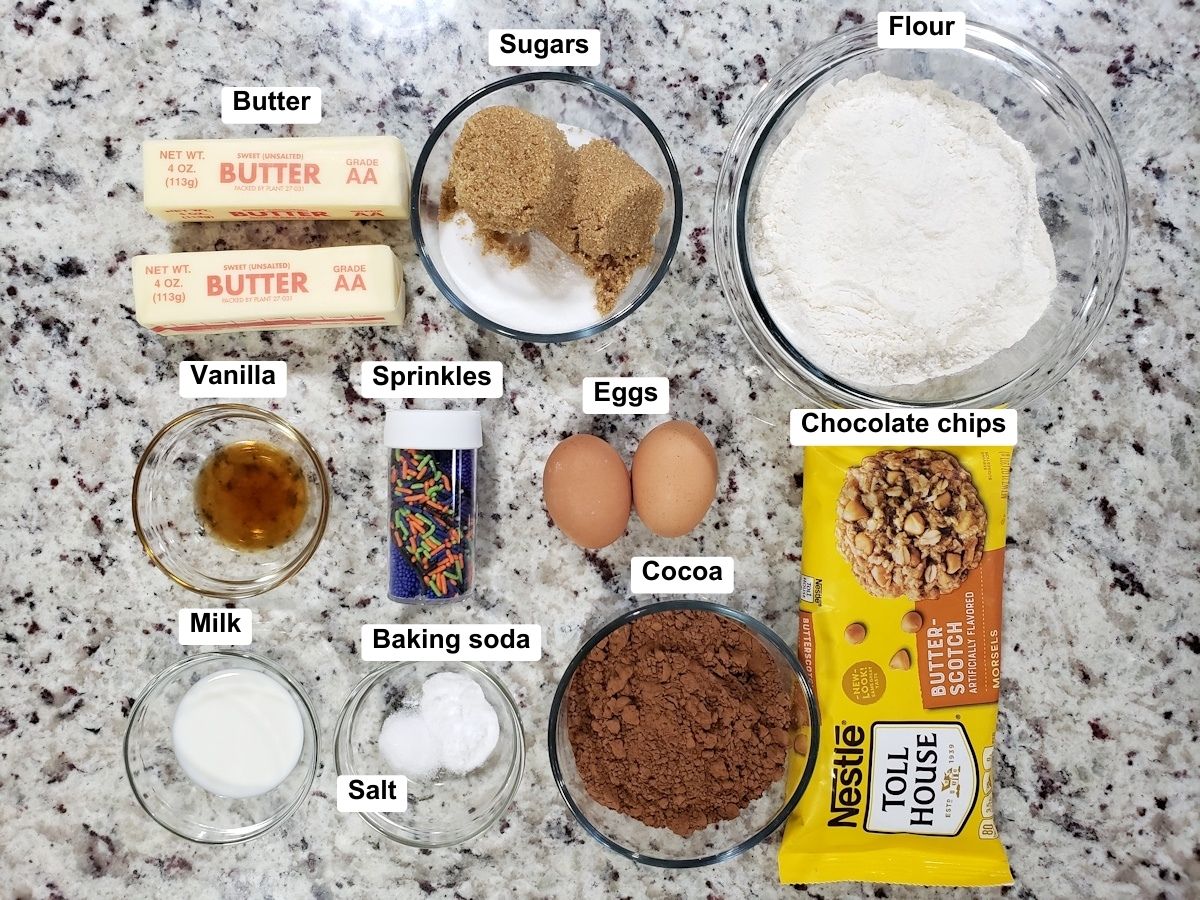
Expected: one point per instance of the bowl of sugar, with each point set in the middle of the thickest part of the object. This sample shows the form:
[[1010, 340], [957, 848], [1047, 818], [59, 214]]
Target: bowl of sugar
[[546, 207]]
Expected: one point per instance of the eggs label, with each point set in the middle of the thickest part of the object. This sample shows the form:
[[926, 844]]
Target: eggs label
[[372, 793], [627, 396], [681, 575], [438, 643], [431, 380]]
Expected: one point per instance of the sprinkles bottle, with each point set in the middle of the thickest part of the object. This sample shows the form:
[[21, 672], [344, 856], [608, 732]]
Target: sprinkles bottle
[[431, 505]]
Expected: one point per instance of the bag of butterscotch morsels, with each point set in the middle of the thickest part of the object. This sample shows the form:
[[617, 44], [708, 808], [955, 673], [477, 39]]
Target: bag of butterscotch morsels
[[900, 612]]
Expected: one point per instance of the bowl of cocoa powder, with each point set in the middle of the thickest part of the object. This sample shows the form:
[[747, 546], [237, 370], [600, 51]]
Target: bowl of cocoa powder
[[683, 733]]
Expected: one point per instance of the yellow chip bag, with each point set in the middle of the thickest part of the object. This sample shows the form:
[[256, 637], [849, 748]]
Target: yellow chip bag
[[900, 612]]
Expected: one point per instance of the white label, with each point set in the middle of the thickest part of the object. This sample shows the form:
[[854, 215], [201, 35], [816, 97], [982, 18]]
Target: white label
[[202, 379], [925, 30], [923, 778], [928, 427], [427, 379], [372, 793], [213, 627], [681, 575], [270, 105], [544, 47], [438, 643], [641, 396]]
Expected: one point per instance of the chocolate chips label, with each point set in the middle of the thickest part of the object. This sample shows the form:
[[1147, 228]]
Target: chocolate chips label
[[215, 627], [544, 47], [270, 105], [199, 380], [641, 396], [873, 427], [372, 793], [923, 30], [681, 575], [431, 380], [438, 643]]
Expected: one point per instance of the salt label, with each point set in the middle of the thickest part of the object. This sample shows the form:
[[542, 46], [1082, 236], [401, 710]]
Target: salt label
[[372, 793]]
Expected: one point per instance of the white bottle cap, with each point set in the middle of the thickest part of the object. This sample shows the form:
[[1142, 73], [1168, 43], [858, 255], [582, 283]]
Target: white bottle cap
[[433, 429]]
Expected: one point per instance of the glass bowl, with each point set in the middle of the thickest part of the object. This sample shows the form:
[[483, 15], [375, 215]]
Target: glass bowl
[[170, 797], [164, 509], [570, 100], [1081, 191], [444, 809], [716, 843]]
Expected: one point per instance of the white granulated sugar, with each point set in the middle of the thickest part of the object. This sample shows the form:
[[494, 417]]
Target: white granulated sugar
[[897, 233]]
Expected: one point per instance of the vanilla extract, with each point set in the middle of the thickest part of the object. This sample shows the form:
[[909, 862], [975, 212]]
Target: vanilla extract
[[251, 495]]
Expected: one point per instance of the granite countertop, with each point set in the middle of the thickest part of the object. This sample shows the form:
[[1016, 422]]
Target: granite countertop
[[1099, 771]]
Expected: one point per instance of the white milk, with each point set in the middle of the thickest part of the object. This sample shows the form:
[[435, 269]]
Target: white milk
[[237, 733]]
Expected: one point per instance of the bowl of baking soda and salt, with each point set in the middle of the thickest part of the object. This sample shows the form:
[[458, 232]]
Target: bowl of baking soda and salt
[[900, 227], [452, 730]]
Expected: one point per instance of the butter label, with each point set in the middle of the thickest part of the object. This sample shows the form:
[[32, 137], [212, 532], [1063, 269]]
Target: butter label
[[270, 105]]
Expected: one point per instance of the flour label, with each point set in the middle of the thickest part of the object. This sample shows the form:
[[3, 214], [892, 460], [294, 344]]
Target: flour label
[[925, 30]]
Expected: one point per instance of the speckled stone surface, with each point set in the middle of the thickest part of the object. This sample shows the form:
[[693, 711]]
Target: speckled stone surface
[[1099, 775]]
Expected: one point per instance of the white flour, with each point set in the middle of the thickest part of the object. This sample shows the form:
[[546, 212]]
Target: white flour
[[897, 233]]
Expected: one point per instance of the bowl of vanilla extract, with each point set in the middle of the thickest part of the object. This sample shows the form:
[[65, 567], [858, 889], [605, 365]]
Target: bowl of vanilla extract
[[230, 500]]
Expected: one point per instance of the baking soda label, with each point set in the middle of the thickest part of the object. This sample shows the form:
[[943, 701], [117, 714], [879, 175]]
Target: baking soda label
[[439, 643]]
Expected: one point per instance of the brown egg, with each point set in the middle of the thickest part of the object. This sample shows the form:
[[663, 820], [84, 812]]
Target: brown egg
[[586, 488], [674, 478]]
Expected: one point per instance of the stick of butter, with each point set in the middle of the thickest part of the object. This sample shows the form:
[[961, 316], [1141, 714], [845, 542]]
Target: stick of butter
[[276, 178], [257, 290]]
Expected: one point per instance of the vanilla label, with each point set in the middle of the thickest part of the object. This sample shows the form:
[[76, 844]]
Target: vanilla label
[[200, 379], [922, 778]]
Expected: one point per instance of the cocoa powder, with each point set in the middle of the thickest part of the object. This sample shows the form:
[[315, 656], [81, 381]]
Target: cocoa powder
[[679, 719]]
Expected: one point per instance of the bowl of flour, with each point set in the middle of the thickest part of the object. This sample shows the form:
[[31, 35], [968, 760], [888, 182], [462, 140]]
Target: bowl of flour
[[921, 227]]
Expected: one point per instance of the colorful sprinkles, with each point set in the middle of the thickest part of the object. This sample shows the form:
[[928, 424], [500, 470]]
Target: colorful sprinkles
[[431, 523]]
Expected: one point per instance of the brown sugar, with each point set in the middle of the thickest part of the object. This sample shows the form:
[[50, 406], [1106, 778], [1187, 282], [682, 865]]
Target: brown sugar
[[509, 168], [610, 225], [679, 719], [513, 172]]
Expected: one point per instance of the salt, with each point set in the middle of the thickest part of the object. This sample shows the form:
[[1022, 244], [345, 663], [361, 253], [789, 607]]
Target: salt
[[452, 728]]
